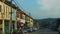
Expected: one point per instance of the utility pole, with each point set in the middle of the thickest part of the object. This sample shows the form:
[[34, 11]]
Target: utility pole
[[10, 26], [37, 25], [30, 14]]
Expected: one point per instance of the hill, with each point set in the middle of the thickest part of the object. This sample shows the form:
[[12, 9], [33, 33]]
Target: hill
[[47, 20]]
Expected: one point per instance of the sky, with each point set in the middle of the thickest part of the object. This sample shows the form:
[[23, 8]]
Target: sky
[[40, 9]]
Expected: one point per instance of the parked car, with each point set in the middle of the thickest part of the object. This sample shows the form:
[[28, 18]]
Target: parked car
[[24, 31], [35, 29], [30, 30], [59, 28]]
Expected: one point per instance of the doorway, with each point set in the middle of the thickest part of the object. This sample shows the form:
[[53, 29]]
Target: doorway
[[1, 27], [6, 26], [13, 26]]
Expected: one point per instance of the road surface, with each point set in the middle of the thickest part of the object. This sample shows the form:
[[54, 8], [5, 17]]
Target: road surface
[[44, 31]]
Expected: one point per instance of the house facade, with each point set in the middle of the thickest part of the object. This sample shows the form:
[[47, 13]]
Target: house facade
[[16, 16]]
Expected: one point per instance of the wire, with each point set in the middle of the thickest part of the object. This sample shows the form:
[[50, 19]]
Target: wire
[[16, 2], [19, 5]]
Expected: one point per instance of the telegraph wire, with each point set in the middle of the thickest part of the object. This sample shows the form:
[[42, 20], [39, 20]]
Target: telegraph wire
[[20, 7], [16, 2]]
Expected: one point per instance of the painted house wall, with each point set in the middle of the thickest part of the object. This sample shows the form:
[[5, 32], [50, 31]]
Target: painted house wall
[[5, 11], [14, 14], [28, 21], [18, 15], [14, 19], [31, 22], [26, 17], [21, 15], [1, 9], [23, 18]]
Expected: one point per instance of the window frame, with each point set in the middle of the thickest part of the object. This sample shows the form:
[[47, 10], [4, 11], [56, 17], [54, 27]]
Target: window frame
[[0, 8]]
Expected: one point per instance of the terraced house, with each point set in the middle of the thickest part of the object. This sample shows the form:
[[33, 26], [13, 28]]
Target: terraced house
[[5, 12], [17, 17], [24, 20]]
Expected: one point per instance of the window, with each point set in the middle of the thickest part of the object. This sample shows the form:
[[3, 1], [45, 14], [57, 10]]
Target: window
[[0, 8], [0, 22], [0, 0]]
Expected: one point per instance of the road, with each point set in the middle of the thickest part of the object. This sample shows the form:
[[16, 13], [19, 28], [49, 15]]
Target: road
[[44, 31]]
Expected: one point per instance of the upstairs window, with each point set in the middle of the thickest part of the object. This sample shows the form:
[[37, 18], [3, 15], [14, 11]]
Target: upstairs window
[[0, 0], [0, 8], [0, 22]]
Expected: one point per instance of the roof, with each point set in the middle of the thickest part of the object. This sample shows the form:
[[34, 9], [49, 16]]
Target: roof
[[10, 4], [14, 6]]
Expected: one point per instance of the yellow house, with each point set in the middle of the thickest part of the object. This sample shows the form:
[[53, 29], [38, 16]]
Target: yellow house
[[4, 16], [31, 22], [5, 12]]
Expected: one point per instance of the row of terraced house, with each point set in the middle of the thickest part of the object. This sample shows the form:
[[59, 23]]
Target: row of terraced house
[[19, 18]]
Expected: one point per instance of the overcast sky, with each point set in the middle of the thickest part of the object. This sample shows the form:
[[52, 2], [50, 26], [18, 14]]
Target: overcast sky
[[40, 9]]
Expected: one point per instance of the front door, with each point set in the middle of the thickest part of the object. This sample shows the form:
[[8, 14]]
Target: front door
[[13, 26], [1, 29], [6, 26]]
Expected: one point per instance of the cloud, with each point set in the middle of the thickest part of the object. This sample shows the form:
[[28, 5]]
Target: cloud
[[49, 8], [48, 4]]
